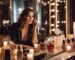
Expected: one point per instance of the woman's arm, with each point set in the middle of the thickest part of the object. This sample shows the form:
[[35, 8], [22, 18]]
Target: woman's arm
[[34, 37]]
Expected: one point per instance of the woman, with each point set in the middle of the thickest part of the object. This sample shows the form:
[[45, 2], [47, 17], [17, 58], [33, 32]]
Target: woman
[[25, 30]]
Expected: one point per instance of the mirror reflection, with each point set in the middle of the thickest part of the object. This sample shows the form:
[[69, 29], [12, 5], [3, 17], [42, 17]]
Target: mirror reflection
[[34, 26], [52, 15]]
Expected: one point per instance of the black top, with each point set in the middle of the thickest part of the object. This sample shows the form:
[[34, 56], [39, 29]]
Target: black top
[[17, 37]]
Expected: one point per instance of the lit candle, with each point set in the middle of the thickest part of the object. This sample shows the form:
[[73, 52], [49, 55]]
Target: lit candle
[[68, 48], [31, 51], [36, 46], [30, 57], [5, 44]]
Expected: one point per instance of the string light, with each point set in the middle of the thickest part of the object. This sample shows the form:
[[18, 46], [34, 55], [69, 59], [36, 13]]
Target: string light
[[44, 3], [52, 10], [20, 10], [58, 21], [53, 16], [47, 2], [52, 25], [53, 29], [52, 3]]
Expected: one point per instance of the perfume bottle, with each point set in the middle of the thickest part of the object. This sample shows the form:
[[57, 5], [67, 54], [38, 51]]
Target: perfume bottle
[[50, 46], [20, 53], [68, 45], [7, 55], [63, 45], [73, 44]]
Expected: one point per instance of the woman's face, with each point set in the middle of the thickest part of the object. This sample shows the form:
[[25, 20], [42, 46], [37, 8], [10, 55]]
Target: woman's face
[[30, 17]]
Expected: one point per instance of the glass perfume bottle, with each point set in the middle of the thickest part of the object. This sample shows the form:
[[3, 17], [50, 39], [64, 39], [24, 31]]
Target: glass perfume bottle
[[50, 46], [20, 53], [68, 45], [73, 44], [7, 55], [63, 45]]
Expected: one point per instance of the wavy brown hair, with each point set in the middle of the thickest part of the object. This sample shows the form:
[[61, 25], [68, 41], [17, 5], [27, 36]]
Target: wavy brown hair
[[22, 19]]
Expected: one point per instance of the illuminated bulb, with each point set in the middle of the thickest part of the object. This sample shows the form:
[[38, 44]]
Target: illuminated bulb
[[53, 10], [45, 22], [53, 29], [44, 4], [60, 1], [53, 16], [58, 21], [52, 3], [57, 10], [57, 4], [47, 2], [10, 7], [57, 25], [43, 29], [52, 24], [20, 10], [62, 21]]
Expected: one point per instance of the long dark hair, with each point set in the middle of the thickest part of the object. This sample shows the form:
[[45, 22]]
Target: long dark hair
[[22, 18]]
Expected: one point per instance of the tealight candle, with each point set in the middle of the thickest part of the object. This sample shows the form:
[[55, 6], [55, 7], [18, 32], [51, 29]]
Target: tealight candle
[[68, 48], [30, 56], [31, 51], [36, 45], [5, 44]]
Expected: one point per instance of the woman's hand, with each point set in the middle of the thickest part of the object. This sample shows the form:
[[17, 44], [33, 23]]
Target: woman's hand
[[35, 24], [34, 37]]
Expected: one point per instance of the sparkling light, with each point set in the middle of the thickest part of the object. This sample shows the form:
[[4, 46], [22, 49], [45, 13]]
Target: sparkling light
[[20, 10], [52, 3]]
